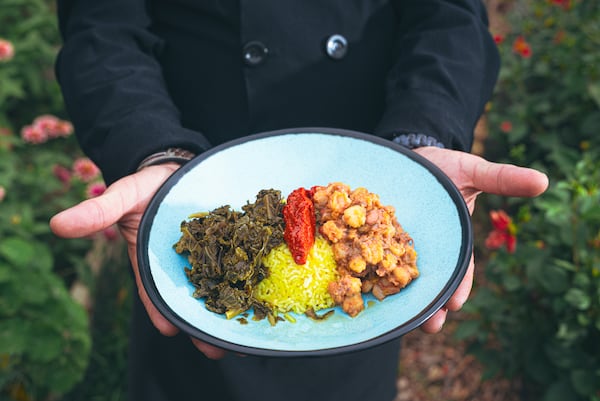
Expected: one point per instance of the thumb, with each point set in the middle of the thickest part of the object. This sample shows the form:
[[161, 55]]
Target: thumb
[[89, 216], [129, 194], [507, 179]]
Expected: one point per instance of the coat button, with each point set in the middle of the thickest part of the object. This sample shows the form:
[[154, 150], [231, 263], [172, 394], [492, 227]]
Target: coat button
[[336, 47], [254, 53]]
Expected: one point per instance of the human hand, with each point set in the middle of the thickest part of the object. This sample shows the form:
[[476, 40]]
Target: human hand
[[474, 175], [124, 203]]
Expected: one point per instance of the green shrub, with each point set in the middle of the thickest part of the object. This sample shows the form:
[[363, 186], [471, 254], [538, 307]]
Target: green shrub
[[546, 107], [44, 334], [538, 318], [536, 313]]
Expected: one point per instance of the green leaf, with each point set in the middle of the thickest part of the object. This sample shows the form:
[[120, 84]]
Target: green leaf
[[590, 123], [560, 391], [578, 299], [553, 279], [585, 382], [594, 92], [17, 251], [467, 329], [537, 365], [46, 346], [15, 336], [565, 264], [25, 254], [561, 355], [5, 273], [582, 280], [511, 282], [583, 319]]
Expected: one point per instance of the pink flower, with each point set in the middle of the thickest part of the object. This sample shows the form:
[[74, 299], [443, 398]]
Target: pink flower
[[53, 126], [7, 50], [95, 189], [2, 193], [85, 169], [504, 232], [62, 173], [111, 233], [33, 134], [62, 129], [45, 121]]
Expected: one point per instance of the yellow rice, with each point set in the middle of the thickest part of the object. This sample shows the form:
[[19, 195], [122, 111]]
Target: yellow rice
[[297, 288]]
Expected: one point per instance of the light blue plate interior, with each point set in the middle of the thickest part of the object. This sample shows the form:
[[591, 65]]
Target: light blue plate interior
[[427, 206]]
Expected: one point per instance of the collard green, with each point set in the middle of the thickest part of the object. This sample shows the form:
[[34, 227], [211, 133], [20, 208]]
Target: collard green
[[225, 249]]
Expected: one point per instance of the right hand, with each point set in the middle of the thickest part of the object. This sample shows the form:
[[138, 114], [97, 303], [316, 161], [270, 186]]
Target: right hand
[[124, 203]]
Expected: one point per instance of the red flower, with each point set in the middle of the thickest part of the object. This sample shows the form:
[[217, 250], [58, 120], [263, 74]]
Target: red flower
[[503, 232], [7, 50], [506, 126], [498, 39], [565, 4], [521, 47]]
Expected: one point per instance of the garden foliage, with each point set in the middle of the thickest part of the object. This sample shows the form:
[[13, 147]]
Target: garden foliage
[[44, 334], [537, 317]]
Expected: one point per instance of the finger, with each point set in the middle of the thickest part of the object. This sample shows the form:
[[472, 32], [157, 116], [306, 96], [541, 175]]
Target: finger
[[89, 216], [507, 179], [461, 294], [208, 350], [123, 196], [435, 322]]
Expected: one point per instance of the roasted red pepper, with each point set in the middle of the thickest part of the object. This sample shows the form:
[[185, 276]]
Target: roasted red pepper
[[300, 224]]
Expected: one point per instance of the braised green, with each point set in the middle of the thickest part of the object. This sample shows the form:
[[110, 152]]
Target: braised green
[[225, 249]]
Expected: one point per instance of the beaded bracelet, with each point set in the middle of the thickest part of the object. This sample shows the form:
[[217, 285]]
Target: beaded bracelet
[[175, 155], [416, 140]]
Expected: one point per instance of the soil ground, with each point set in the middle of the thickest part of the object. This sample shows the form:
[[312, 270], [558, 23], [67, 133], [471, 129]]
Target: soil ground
[[437, 367]]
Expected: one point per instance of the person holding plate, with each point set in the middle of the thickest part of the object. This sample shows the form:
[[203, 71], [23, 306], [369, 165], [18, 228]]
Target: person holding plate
[[150, 84]]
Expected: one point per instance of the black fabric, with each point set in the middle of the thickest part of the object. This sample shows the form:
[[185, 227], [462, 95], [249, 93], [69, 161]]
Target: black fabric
[[365, 375], [164, 368], [171, 369], [141, 76]]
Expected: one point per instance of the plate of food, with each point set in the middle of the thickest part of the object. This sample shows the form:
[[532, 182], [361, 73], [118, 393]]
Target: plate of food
[[304, 242]]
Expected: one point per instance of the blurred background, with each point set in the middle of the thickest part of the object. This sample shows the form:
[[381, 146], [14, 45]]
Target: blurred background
[[531, 330]]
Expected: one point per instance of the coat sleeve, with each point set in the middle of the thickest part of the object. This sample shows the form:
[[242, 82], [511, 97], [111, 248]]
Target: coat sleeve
[[447, 66], [113, 87]]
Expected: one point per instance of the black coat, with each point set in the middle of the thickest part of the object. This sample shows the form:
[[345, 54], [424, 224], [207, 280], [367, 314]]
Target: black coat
[[140, 76]]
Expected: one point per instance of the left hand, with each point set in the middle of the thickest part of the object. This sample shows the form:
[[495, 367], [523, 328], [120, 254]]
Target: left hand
[[124, 202], [474, 175]]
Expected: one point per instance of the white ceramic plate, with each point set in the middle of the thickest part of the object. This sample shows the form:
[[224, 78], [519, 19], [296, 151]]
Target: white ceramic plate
[[428, 206]]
